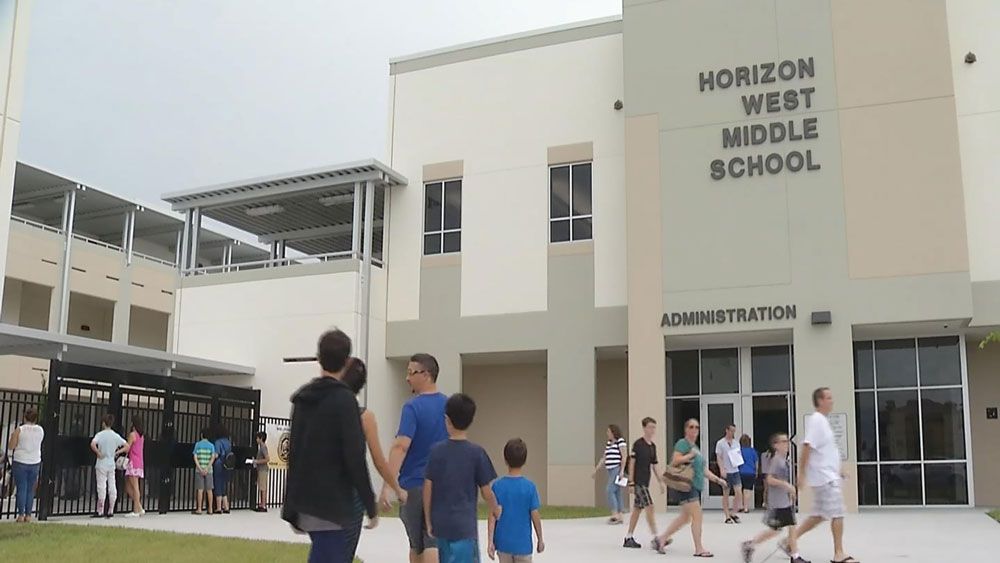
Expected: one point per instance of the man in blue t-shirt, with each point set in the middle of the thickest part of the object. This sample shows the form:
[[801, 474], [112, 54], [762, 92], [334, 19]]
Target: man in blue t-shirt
[[421, 426]]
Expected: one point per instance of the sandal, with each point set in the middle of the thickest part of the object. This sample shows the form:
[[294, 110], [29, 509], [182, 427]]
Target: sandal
[[704, 554], [847, 559], [661, 547], [737, 519], [730, 520]]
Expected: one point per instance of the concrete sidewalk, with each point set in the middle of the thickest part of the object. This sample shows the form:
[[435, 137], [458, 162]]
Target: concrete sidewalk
[[920, 535]]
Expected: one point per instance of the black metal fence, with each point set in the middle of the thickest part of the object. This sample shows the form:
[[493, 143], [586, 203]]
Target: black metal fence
[[277, 450], [173, 411], [12, 407]]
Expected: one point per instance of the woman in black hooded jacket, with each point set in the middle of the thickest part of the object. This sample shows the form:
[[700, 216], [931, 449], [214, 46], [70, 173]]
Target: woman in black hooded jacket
[[326, 462]]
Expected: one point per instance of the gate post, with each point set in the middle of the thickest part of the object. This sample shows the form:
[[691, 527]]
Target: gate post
[[168, 440], [47, 479]]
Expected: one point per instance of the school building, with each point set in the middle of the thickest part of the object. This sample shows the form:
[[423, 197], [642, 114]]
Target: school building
[[698, 209]]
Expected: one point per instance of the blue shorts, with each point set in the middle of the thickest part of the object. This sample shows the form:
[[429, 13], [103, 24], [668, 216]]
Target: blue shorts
[[458, 551], [694, 495], [734, 480]]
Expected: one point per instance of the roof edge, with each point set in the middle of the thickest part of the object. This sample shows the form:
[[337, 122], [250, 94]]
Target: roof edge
[[174, 197], [566, 33]]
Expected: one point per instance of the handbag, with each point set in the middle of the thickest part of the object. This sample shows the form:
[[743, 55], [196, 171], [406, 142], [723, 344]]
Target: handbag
[[6, 478], [679, 477], [122, 463]]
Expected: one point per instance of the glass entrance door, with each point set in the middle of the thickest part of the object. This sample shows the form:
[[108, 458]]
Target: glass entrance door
[[717, 413]]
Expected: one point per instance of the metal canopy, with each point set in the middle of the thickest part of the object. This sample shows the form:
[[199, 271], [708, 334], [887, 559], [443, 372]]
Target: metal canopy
[[99, 215], [21, 341], [311, 210]]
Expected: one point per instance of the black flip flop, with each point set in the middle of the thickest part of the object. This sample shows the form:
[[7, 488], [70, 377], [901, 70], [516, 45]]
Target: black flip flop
[[704, 554], [847, 559]]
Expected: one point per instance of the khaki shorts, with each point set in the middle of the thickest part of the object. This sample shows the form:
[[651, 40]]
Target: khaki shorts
[[828, 501], [508, 558], [262, 481]]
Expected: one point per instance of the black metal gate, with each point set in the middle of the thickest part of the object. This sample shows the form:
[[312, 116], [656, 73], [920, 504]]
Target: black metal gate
[[173, 411], [12, 406]]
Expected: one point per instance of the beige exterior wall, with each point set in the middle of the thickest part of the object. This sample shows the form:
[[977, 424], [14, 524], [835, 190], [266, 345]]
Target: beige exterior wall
[[822, 240], [261, 322], [14, 18], [148, 328], [34, 262], [500, 392], [612, 408], [501, 122], [90, 317], [972, 28], [21, 373], [984, 392]]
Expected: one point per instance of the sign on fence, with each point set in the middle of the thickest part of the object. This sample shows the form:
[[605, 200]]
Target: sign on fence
[[278, 440]]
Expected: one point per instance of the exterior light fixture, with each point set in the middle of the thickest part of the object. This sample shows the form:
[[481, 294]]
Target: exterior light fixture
[[264, 210], [821, 318]]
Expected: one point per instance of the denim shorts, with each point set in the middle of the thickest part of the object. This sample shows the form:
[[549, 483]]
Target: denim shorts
[[734, 480], [458, 551], [694, 495]]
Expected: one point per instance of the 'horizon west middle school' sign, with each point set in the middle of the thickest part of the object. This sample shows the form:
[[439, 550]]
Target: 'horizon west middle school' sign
[[731, 315], [793, 129]]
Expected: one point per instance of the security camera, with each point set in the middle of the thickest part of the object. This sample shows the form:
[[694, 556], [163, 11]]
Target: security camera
[[619, 105], [970, 57]]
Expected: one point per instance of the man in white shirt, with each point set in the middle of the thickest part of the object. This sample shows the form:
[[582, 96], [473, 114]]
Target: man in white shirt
[[819, 468], [729, 458]]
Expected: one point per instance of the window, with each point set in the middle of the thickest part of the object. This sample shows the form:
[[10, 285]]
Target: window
[[910, 422], [570, 206], [443, 217], [771, 368]]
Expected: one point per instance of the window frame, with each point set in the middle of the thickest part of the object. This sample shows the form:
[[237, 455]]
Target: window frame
[[442, 231], [922, 462], [571, 217]]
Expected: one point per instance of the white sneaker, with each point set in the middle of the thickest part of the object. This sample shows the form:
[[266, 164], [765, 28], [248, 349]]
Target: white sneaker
[[133, 515], [142, 512]]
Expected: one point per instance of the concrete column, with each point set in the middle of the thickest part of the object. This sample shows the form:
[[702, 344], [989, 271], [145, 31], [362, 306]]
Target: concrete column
[[11, 97], [195, 237], [364, 280], [123, 309], [11, 311], [69, 211], [824, 358], [571, 386], [646, 351], [185, 243], [356, 221]]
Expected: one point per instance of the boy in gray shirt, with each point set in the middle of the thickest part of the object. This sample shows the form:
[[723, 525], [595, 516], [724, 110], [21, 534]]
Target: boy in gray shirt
[[780, 501]]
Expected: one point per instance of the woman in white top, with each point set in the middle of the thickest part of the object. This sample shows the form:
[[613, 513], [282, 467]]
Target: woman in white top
[[26, 441], [614, 461]]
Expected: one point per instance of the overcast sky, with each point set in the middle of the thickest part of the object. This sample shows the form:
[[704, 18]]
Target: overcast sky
[[142, 97]]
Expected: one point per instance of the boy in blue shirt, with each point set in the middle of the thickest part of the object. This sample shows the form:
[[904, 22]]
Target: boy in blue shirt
[[456, 470], [510, 535]]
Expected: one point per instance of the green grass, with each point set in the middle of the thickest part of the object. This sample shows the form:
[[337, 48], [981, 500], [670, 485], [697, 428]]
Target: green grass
[[67, 542], [995, 514], [548, 512]]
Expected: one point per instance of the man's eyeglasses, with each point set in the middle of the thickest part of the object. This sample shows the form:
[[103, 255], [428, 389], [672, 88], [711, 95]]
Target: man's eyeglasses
[[412, 372], [693, 427]]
